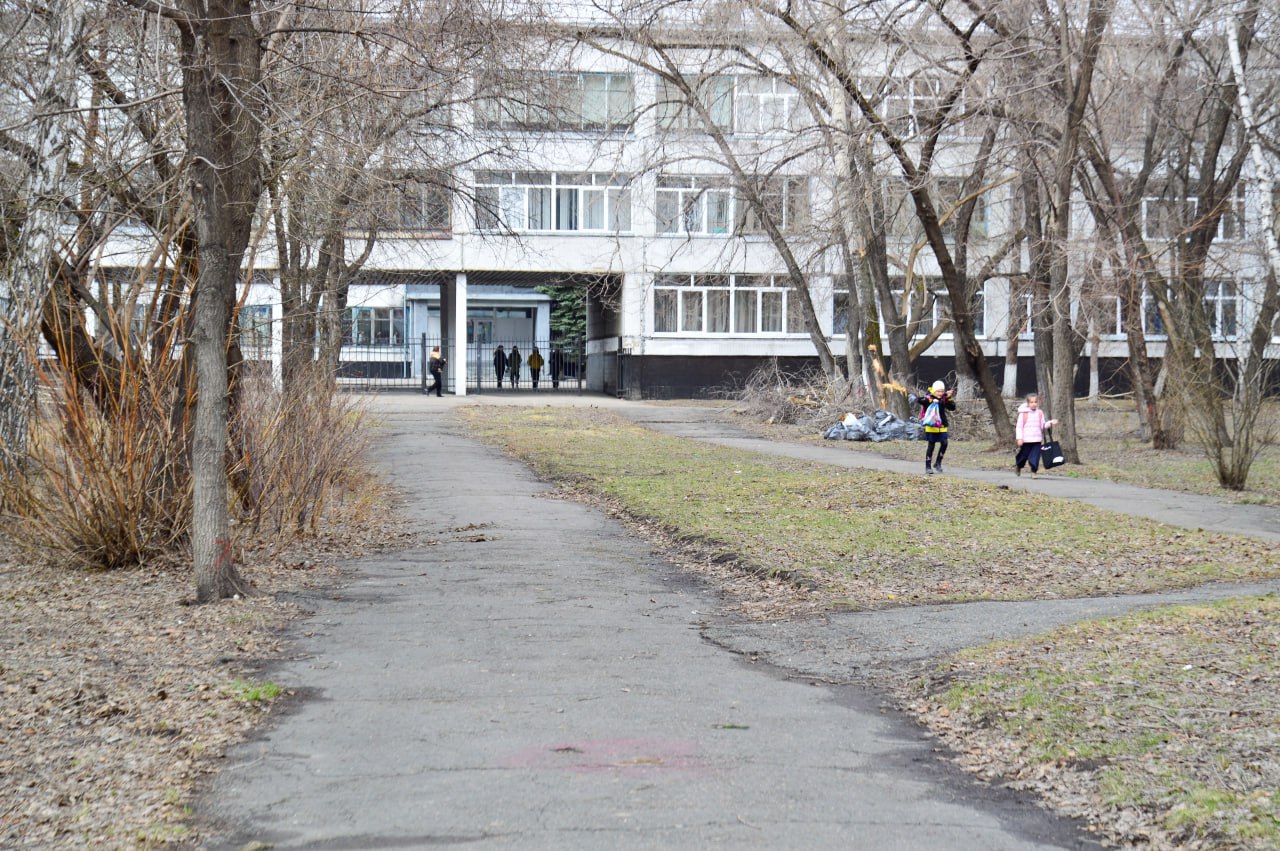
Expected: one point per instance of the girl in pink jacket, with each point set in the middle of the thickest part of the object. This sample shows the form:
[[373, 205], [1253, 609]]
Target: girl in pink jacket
[[1030, 433]]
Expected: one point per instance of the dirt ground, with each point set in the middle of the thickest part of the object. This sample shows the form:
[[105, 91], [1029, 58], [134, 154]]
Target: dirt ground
[[117, 695]]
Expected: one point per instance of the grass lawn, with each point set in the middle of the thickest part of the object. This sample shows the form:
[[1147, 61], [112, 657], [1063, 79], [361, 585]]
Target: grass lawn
[[1160, 729], [865, 539], [1110, 448], [1166, 718]]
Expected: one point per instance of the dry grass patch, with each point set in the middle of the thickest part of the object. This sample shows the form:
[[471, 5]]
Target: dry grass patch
[[1110, 447], [863, 539], [1160, 725]]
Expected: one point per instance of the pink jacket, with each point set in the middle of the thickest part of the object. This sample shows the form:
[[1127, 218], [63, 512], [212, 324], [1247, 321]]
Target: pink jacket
[[1030, 424]]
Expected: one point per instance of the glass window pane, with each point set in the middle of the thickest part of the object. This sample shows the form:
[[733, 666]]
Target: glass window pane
[[486, 207], [593, 209], [744, 311], [795, 313], [771, 318], [718, 311], [719, 94], [668, 211], [594, 100], [719, 205], [566, 209], [691, 311], [840, 312], [621, 100], [664, 310], [540, 209], [513, 207], [620, 209], [692, 202]]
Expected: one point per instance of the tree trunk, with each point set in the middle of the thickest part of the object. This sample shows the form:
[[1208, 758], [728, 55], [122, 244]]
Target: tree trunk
[[221, 54], [26, 283]]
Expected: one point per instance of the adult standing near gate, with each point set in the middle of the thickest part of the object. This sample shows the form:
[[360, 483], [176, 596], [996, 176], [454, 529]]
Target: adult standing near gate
[[435, 365], [557, 365], [500, 363], [535, 366], [513, 366]]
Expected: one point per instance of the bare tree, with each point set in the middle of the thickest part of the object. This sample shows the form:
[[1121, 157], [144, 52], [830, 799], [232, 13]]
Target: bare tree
[[1169, 210], [948, 53], [219, 51], [29, 267]]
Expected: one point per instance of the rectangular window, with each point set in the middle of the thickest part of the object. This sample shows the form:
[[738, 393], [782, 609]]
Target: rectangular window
[[533, 100], [908, 105], [1166, 215], [924, 306], [690, 311], [373, 326], [714, 96], [695, 205], [718, 311], [772, 314], [1221, 305], [255, 331], [1152, 321], [745, 311], [785, 200], [545, 201], [795, 313], [840, 312], [664, 310], [764, 105]]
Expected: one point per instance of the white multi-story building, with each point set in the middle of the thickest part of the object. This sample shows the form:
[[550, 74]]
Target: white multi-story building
[[623, 187]]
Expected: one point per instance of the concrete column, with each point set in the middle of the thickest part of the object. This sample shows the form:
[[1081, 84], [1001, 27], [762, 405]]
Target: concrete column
[[458, 322]]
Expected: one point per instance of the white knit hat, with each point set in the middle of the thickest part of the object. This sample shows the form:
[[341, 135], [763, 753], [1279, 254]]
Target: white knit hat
[[938, 387]]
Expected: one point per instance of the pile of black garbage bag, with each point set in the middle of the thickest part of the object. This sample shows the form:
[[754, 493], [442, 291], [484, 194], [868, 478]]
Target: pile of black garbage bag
[[876, 427]]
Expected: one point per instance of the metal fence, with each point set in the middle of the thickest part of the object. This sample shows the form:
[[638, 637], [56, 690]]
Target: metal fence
[[505, 366], [404, 366]]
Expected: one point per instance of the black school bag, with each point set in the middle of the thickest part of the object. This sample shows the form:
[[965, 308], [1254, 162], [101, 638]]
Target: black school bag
[[1051, 451]]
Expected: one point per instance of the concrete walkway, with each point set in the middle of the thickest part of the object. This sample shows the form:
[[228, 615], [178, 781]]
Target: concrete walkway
[[537, 678]]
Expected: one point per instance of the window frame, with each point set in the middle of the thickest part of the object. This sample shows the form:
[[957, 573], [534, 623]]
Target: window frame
[[553, 203]]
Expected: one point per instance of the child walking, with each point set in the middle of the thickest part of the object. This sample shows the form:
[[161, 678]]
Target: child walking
[[933, 416], [1030, 434]]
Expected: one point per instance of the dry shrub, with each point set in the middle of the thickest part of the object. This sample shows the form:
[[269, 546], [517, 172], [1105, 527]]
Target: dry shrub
[[301, 458], [107, 484], [101, 487], [808, 398]]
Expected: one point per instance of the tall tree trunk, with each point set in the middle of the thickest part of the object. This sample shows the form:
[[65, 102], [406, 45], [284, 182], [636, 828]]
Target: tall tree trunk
[[25, 285], [221, 54]]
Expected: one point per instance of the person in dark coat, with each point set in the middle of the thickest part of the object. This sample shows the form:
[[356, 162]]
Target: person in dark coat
[[435, 365], [557, 365], [500, 363], [513, 366]]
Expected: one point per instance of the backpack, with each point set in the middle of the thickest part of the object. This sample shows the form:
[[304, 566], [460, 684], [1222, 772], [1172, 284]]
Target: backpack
[[932, 415]]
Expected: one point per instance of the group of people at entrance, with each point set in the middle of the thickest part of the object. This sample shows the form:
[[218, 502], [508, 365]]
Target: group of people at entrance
[[508, 364], [1032, 428], [504, 363]]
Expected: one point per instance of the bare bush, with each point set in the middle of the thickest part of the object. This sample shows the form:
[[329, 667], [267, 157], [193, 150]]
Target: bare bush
[[301, 458], [808, 398], [104, 486]]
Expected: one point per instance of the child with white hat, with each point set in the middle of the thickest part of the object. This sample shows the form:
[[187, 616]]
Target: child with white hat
[[933, 416]]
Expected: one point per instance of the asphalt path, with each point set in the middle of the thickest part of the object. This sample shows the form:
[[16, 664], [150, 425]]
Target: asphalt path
[[535, 677]]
